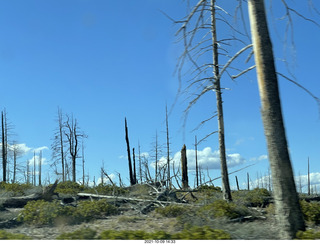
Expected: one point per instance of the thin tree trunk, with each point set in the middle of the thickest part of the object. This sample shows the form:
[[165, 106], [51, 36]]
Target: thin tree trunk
[[134, 166], [237, 183], [308, 178], [128, 150], [288, 210], [61, 144], [223, 159], [168, 151], [40, 163], [4, 151], [196, 151], [34, 168], [248, 181]]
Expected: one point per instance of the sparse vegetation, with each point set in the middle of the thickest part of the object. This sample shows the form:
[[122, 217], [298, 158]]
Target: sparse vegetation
[[48, 213], [82, 234], [311, 211], [172, 211], [4, 235], [69, 187]]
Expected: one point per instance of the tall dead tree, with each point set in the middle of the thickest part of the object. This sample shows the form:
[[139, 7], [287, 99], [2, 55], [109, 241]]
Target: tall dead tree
[[134, 166], [309, 191], [58, 146], [40, 166], [199, 36], [196, 153], [4, 145], [168, 150], [73, 136], [184, 168], [288, 210], [132, 182]]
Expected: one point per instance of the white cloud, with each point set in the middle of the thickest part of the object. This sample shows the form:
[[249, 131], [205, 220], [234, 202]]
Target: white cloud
[[37, 160], [206, 159], [260, 158]]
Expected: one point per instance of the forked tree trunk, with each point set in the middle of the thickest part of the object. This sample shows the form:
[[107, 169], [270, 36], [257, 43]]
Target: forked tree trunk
[[288, 210], [223, 159]]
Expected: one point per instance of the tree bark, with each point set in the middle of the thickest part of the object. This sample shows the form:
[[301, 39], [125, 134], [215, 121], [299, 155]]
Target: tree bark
[[223, 159], [288, 211], [4, 147], [184, 168]]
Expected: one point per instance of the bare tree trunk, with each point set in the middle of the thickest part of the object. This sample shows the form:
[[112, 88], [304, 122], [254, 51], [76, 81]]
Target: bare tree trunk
[[237, 183], [60, 119], [129, 156], [28, 169], [134, 167], [308, 177], [168, 151], [287, 205], [196, 151], [40, 163], [248, 181], [184, 168], [4, 146], [34, 168], [223, 159]]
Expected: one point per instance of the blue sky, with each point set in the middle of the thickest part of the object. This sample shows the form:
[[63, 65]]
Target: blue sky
[[103, 61]]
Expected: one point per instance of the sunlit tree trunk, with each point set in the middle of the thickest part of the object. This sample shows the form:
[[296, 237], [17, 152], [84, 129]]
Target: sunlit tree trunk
[[288, 211]]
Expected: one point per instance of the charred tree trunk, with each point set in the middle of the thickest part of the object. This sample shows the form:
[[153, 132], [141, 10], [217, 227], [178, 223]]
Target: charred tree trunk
[[288, 210], [168, 151], [184, 168], [309, 191], [223, 159], [129, 156]]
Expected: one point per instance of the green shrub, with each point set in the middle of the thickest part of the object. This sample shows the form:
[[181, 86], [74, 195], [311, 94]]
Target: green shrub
[[171, 211], [87, 210], [311, 211], [258, 197], [308, 235], [201, 233], [221, 208], [105, 189], [206, 188], [4, 235], [123, 235], [48, 213], [69, 187], [40, 212], [16, 188], [82, 234]]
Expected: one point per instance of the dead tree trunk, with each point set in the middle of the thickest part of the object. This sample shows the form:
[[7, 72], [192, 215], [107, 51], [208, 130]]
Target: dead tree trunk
[[184, 168], [196, 151], [237, 183], [309, 191], [288, 210], [4, 146], [134, 167], [223, 159], [129, 156]]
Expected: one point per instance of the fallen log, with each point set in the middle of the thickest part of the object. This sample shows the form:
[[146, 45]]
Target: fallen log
[[89, 195], [21, 201]]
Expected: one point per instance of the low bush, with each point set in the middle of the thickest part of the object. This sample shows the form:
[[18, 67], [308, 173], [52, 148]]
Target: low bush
[[69, 187], [258, 197], [201, 233], [82, 234], [221, 208], [171, 211], [308, 235], [15, 188], [207, 188], [49, 213], [311, 211], [4, 235], [106, 189]]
